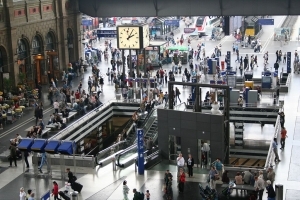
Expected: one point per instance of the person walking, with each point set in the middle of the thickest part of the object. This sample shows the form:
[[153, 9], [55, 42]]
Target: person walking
[[271, 175], [43, 161], [190, 165], [259, 186], [177, 93], [283, 137], [213, 175], [181, 180], [275, 150], [101, 82], [55, 191], [13, 154], [26, 154], [22, 194], [219, 166], [270, 191], [125, 190], [180, 163]]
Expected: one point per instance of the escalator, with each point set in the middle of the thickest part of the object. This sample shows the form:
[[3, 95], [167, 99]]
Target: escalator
[[129, 156]]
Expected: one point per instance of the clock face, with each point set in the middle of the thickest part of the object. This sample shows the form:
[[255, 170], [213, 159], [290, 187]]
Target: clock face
[[128, 38], [146, 36]]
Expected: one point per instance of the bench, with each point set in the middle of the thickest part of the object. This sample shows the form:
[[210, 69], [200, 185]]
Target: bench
[[71, 114], [44, 132], [51, 126]]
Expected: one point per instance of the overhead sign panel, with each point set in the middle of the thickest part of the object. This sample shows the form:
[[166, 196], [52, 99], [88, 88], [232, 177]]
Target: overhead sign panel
[[107, 32], [172, 22], [87, 22], [266, 21]]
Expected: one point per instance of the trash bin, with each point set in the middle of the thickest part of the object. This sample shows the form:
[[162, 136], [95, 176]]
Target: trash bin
[[74, 195], [279, 191], [222, 65]]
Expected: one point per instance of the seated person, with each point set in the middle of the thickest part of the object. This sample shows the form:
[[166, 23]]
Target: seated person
[[41, 124], [64, 123], [215, 108], [240, 101], [51, 119], [39, 131], [225, 178], [238, 179], [189, 99]]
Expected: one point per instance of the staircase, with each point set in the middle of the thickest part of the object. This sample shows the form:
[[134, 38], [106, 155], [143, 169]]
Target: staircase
[[239, 135], [152, 131]]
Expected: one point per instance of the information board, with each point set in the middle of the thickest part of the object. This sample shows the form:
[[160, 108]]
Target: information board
[[140, 145]]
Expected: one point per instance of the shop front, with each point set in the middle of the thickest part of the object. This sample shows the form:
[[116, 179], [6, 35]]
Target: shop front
[[52, 64], [24, 62], [39, 66]]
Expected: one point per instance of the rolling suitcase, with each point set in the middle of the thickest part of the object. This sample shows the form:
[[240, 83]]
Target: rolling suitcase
[[77, 187], [63, 195]]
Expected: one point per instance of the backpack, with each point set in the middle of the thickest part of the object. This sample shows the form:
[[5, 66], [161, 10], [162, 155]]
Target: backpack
[[141, 196]]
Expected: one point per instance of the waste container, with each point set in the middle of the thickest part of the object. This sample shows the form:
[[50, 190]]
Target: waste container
[[279, 191], [74, 195], [222, 65]]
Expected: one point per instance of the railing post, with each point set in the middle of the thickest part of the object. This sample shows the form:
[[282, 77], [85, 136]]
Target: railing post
[[135, 169], [114, 163]]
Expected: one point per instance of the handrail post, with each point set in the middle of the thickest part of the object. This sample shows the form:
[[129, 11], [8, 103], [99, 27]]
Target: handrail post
[[114, 163], [135, 169]]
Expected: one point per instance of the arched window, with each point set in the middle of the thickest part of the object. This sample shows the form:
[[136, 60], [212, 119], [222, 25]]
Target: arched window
[[49, 42], [36, 45], [21, 50]]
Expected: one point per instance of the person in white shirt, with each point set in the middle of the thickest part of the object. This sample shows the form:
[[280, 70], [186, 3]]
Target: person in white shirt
[[22, 194], [259, 185], [56, 106], [180, 162]]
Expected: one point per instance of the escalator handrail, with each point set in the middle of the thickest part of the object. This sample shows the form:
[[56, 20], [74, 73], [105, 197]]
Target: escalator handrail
[[147, 118], [109, 148], [124, 152]]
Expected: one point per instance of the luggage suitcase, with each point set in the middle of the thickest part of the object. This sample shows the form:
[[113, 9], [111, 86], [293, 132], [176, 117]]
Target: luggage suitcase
[[63, 195], [77, 187]]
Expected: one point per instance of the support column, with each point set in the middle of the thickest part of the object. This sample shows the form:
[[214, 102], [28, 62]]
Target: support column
[[226, 125], [145, 66], [171, 95], [197, 99], [137, 63], [123, 63], [130, 64]]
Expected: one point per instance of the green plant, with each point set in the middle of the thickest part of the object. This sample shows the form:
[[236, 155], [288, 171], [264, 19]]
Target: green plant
[[7, 85], [21, 77]]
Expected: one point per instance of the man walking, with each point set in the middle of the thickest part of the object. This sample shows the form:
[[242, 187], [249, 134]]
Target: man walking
[[283, 137], [275, 150], [13, 154]]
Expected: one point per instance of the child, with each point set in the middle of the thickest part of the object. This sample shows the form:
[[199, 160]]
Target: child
[[147, 195]]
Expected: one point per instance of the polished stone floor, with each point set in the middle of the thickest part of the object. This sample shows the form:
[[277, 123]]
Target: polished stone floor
[[104, 183]]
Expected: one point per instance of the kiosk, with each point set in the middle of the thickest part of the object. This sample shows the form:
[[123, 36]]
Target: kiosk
[[153, 54]]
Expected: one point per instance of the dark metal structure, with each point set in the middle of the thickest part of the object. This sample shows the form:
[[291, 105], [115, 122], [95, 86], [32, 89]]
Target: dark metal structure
[[164, 8], [198, 105]]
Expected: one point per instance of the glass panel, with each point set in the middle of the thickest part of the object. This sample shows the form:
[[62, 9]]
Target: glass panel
[[174, 146], [55, 63], [152, 57], [44, 67]]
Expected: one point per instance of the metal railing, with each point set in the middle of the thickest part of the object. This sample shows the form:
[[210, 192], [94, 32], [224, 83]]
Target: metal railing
[[270, 156], [108, 151], [81, 120]]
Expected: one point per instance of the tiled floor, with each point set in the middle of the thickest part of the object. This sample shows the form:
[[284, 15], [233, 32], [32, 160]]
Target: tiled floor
[[104, 183]]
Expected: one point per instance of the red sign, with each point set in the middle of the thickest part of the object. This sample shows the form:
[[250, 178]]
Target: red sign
[[189, 30]]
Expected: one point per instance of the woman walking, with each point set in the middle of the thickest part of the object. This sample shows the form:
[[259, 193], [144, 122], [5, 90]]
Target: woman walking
[[55, 191], [190, 165], [125, 190], [181, 180]]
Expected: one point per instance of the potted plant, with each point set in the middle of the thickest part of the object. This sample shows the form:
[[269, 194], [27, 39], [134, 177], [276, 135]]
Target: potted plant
[[7, 85]]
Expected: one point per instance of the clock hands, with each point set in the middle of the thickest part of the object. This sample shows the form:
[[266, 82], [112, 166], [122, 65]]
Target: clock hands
[[130, 35]]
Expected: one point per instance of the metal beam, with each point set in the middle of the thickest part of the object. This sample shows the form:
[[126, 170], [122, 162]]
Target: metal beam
[[221, 7]]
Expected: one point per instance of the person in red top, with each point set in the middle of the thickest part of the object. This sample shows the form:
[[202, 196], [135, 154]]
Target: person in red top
[[181, 180], [77, 95], [55, 191], [283, 136]]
